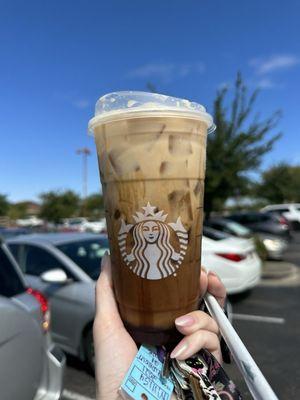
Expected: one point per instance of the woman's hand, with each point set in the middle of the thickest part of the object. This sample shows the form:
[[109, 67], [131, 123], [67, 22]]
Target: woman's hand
[[115, 348]]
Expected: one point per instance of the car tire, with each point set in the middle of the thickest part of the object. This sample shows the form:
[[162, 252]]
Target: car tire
[[89, 351]]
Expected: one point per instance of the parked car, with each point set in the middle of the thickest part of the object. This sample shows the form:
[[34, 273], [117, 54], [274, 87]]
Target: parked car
[[31, 366], [289, 211], [64, 267], [274, 246], [229, 226], [82, 224], [262, 223], [30, 221], [233, 259]]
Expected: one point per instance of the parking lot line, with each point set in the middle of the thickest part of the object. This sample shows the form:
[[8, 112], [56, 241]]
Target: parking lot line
[[258, 318], [68, 395]]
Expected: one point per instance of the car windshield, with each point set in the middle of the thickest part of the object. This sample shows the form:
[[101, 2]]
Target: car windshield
[[86, 254], [238, 229], [214, 234]]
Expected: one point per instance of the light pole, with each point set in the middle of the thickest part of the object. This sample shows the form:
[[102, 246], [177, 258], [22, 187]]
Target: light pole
[[85, 153]]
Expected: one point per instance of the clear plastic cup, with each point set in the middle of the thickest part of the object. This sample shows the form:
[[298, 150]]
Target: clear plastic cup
[[152, 153]]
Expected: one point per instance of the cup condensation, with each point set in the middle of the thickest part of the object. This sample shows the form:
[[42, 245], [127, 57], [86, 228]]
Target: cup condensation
[[152, 153]]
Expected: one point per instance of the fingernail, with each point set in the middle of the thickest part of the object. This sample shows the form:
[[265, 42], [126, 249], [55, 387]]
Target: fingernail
[[185, 320], [104, 260], [179, 349], [204, 269], [211, 273]]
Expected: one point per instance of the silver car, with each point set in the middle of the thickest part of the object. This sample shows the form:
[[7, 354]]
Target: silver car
[[64, 267], [31, 366]]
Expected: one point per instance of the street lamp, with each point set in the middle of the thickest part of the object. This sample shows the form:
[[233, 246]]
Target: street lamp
[[85, 152]]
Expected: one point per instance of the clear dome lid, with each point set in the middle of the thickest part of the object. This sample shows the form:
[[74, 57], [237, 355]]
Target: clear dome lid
[[127, 104]]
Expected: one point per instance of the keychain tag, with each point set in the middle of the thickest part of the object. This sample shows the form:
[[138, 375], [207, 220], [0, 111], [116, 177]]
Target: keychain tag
[[144, 379]]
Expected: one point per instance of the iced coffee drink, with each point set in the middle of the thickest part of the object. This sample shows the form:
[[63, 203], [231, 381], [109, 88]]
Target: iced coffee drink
[[151, 151]]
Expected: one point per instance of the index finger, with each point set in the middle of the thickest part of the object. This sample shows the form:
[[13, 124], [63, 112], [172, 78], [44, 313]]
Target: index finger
[[216, 288]]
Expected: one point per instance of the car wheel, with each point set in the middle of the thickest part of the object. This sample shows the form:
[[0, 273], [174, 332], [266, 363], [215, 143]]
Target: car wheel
[[89, 351]]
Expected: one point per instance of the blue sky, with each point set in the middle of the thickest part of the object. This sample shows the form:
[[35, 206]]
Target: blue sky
[[58, 57]]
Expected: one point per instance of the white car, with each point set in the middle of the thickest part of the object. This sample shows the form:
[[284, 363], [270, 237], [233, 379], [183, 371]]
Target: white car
[[290, 211], [94, 226], [233, 259], [82, 224], [30, 221]]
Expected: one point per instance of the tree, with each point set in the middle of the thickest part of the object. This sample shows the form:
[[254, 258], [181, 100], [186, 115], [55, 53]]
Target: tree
[[236, 147], [17, 210], [94, 205], [4, 205], [280, 183], [58, 205]]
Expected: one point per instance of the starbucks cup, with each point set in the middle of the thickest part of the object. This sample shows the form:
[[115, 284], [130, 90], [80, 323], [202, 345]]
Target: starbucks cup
[[152, 152]]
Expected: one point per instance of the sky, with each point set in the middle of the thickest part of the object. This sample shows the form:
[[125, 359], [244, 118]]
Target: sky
[[58, 57]]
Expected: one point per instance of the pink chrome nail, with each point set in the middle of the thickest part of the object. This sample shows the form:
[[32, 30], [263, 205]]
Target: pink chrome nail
[[185, 320], [179, 349]]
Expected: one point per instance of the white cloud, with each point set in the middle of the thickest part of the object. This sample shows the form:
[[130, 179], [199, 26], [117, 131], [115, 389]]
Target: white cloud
[[166, 72], [274, 63], [81, 104], [266, 83], [152, 70]]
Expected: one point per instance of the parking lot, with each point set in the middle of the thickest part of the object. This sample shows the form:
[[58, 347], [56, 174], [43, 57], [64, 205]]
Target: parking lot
[[267, 319]]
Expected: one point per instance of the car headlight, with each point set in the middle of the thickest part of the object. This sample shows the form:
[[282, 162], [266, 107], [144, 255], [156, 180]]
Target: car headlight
[[272, 244]]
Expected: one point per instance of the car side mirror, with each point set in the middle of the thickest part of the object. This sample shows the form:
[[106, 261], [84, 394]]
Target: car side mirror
[[56, 275]]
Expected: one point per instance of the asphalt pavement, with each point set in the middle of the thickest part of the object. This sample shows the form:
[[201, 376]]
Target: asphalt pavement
[[267, 320]]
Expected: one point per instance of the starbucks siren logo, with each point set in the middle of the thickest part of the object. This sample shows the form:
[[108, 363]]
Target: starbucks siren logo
[[152, 255]]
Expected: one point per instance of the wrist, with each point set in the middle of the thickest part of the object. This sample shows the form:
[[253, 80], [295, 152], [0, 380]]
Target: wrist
[[109, 392], [108, 396]]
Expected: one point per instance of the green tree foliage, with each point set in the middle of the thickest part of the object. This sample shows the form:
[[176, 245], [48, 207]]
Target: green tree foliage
[[93, 206], [17, 210], [57, 205], [280, 183], [4, 205], [237, 146]]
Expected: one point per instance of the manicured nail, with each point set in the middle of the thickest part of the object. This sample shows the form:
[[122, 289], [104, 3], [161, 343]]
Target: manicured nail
[[185, 320], [179, 349], [104, 261]]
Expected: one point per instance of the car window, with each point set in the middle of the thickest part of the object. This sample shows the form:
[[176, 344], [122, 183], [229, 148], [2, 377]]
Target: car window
[[238, 218], [36, 260], [86, 254], [262, 217], [10, 283], [276, 212], [237, 228], [14, 249], [251, 218], [214, 234], [279, 209]]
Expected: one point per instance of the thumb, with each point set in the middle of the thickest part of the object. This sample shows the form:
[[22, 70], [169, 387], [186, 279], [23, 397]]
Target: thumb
[[107, 314]]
